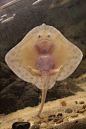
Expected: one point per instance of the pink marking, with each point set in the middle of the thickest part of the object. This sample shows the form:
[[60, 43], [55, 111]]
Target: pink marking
[[44, 47], [45, 62]]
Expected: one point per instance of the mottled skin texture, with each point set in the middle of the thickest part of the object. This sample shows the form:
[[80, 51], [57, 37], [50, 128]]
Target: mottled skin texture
[[45, 67]]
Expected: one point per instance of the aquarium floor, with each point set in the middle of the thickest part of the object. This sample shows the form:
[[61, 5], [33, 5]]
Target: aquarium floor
[[51, 108]]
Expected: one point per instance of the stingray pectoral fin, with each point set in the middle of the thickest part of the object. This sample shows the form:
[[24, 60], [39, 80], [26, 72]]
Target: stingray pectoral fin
[[44, 93], [56, 71], [34, 71]]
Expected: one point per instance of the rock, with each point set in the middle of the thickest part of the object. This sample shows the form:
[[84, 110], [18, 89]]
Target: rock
[[29, 97], [81, 102], [19, 94], [81, 110], [56, 119], [6, 76], [10, 95], [59, 121], [59, 114], [5, 100], [68, 110], [84, 106], [74, 115], [50, 119], [51, 116], [43, 125], [35, 126], [76, 102], [21, 125]]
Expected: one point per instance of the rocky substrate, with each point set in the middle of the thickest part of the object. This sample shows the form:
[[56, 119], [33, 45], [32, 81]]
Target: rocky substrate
[[65, 113]]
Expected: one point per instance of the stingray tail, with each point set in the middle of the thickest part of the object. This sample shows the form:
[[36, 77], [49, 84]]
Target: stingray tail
[[44, 92], [45, 78]]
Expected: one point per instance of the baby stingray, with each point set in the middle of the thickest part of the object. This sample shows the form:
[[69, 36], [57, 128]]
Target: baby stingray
[[43, 57]]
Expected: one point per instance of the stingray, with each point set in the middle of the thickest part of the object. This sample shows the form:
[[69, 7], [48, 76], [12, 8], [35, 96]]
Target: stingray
[[43, 57]]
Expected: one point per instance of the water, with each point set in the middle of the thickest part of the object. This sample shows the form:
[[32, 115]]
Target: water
[[16, 20]]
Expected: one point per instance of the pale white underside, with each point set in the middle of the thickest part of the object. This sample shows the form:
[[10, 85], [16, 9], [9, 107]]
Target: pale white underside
[[14, 58]]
